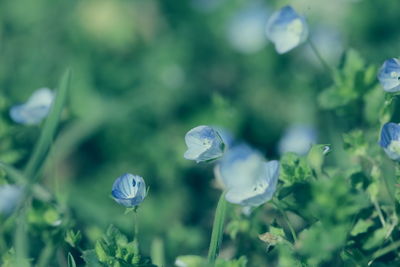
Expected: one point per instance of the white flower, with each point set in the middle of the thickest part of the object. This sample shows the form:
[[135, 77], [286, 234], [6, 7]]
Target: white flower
[[204, 144], [35, 109], [286, 29], [249, 180]]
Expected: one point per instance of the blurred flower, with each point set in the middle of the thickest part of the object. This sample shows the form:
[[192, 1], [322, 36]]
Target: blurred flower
[[249, 180], [297, 139], [246, 30], [129, 190], [390, 140], [9, 197], [286, 29], [204, 144], [35, 109], [389, 75]]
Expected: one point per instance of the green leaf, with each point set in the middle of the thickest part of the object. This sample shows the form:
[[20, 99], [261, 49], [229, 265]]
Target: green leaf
[[294, 169], [361, 227], [71, 261], [49, 129], [102, 251], [218, 229], [90, 257], [376, 239], [73, 238]]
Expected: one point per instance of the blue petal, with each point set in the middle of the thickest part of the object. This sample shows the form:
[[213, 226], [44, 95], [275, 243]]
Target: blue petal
[[390, 131], [129, 190], [389, 75], [204, 144], [286, 29]]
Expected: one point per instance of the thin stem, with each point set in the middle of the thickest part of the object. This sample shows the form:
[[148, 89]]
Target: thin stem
[[286, 218], [218, 230], [384, 251], [136, 255], [380, 214], [320, 58]]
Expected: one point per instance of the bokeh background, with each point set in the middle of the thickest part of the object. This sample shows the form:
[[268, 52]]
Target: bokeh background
[[145, 72]]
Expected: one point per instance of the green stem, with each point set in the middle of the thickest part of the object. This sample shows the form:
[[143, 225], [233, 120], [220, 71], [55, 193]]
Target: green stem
[[136, 254], [218, 230], [286, 218], [384, 251], [321, 59]]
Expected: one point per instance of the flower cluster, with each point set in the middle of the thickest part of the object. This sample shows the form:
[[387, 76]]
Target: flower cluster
[[247, 178]]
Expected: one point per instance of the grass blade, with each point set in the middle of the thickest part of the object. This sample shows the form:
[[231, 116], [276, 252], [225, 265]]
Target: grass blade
[[218, 230], [49, 129]]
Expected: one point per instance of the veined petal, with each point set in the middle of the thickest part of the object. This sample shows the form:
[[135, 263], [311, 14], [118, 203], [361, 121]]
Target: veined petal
[[204, 144], [389, 75], [129, 190]]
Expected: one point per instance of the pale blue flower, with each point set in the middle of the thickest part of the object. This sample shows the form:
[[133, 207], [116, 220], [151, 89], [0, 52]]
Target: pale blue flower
[[35, 109], [248, 179], [10, 195], [129, 190], [204, 144], [286, 29], [246, 30], [390, 140], [389, 75], [298, 139]]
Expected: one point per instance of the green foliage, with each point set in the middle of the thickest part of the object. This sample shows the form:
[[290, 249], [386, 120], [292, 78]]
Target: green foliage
[[351, 81], [197, 261], [294, 169], [114, 250]]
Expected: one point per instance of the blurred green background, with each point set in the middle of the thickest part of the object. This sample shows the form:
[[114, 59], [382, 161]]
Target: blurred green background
[[147, 71]]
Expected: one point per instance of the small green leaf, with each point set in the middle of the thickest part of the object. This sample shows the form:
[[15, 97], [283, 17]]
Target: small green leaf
[[71, 261], [361, 227]]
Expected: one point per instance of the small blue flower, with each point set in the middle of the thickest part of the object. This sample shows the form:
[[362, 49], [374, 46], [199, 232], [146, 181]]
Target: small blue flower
[[390, 140], [204, 144], [129, 190], [389, 75], [35, 109], [286, 29], [10, 195], [249, 180], [297, 139]]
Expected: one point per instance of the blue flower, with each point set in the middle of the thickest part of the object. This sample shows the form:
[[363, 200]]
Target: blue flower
[[35, 109], [129, 190], [286, 29], [297, 139], [390, 140], [389, 75], [204, 144], [10, 195], [248, 178]]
